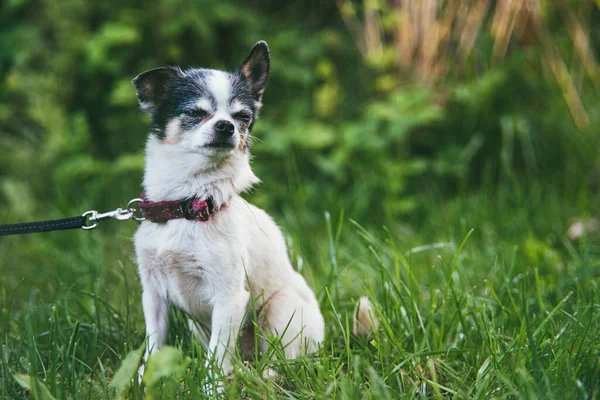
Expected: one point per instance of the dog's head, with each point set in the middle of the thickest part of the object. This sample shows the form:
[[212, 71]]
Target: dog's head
[[205, 111]]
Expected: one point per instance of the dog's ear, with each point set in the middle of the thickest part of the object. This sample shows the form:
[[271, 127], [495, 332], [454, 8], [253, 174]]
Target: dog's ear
[[152, 86], [255, 69]]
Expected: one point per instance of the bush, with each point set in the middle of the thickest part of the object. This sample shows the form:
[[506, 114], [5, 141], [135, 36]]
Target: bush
[[366, 129]]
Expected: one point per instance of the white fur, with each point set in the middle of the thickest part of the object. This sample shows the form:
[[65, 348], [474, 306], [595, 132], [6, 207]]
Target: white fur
[[174, 173], [237, 106], [219, 85], [173, 128], [204, 104], [213, 269]]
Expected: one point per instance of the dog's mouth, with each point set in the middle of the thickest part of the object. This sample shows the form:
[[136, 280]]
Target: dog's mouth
[[220, 145]]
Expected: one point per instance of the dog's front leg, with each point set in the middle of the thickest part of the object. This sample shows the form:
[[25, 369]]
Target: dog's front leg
[[227, 317], [157, 322]]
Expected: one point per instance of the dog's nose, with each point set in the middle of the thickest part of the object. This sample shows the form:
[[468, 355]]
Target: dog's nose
[[224, 127]]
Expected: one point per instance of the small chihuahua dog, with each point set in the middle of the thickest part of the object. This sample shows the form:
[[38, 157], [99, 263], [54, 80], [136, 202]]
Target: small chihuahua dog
[[233, 264]]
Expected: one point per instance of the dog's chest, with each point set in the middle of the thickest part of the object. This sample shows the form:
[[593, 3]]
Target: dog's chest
[[186, 262]]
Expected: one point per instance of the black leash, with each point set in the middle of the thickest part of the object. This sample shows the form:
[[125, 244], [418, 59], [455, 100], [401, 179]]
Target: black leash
[[43, 226], [88, 220]]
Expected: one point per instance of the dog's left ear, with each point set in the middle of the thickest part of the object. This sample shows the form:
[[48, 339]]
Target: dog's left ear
[[256, 69]]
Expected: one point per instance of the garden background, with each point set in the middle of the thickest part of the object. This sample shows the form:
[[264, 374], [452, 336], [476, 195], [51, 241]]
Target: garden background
[[437, 156]]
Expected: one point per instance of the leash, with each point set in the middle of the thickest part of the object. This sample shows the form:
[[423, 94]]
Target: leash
[[154, 211], [87, 221]]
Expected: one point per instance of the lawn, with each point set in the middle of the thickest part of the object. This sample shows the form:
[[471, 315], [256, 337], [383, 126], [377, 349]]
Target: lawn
[[430, 155], [479, 296]]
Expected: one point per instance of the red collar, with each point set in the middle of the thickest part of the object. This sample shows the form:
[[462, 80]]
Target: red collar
[[190, 209]]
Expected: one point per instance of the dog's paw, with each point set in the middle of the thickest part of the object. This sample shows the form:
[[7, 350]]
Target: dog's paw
[[213, 384], [140, 373], [364, 320], [213, 388], [270, 374]]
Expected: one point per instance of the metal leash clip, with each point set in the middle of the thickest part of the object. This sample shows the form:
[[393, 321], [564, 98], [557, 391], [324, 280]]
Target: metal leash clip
[[93, 217]]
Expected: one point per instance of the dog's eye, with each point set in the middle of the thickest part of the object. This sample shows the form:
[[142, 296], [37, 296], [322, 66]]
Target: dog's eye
[[242, 116], [198, 113]]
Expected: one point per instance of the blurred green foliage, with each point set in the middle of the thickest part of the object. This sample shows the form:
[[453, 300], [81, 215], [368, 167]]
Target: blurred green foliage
[[339, 129]]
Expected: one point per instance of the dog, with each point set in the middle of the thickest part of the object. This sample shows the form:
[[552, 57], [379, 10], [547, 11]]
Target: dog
[[231, 263]]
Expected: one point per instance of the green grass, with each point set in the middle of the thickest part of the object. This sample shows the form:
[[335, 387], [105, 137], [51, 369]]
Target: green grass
[[482, 296]]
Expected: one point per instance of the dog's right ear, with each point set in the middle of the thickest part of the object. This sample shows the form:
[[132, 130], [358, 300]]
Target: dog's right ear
[[152, 86]]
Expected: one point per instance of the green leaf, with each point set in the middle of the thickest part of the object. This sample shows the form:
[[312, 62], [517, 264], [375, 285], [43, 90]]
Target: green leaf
[[37, 389], [379, 389], [167, 362], [127, 372]]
